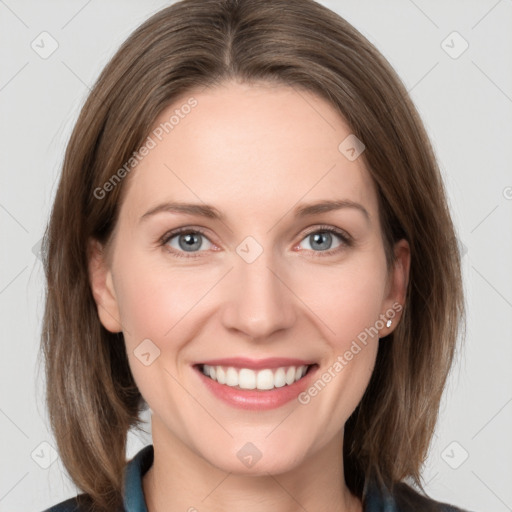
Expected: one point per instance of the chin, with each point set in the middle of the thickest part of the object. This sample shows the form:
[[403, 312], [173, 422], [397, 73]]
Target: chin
[[247, 459]]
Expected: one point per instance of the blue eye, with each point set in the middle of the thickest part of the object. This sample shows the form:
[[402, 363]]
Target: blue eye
[[187, 240], [190, 242], [322, 240]]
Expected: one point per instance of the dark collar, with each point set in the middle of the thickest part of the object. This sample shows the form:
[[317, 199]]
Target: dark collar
[[133, 498]]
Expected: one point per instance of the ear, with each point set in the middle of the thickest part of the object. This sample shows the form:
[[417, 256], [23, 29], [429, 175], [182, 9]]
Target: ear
[[100, 278], [398, 281]]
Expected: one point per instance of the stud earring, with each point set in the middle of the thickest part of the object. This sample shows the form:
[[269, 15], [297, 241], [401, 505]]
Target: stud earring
[[388, 323]]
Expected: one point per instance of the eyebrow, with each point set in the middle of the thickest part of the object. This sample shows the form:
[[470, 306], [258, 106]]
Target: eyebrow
[[208, 211]]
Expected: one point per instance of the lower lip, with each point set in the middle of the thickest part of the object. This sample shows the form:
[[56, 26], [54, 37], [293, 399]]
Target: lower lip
[[253, 399]]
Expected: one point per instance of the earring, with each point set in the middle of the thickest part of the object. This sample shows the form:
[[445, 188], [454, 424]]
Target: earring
[[388, 323]]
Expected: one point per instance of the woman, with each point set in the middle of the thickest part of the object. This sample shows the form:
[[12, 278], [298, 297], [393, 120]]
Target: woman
[[251, 237]]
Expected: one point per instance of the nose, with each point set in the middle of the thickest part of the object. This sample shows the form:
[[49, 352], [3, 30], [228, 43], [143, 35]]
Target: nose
[[260, 302]]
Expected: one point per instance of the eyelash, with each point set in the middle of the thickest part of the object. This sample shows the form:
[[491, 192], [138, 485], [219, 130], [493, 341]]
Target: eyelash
[[345, 239]]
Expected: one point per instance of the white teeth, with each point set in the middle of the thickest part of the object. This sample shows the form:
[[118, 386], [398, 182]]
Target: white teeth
[[231, 377], [221, 374], [290, 375], [245, 378], [265, 379], [279, 378]]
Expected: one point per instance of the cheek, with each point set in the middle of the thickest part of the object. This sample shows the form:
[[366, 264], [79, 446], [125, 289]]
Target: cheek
[[347, 298], [348, 301], [153, 300], [160, 304]]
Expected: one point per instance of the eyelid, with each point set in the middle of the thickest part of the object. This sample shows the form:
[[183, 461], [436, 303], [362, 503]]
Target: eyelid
[[178, 231], [326, 227]]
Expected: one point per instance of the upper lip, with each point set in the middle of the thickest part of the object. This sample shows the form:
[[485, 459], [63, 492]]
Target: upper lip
[[256, 364]]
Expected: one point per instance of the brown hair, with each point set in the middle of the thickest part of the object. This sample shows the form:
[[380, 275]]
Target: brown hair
[[91, 395]]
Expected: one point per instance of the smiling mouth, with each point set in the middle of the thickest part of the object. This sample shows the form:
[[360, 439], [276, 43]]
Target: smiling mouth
[[264, 379]]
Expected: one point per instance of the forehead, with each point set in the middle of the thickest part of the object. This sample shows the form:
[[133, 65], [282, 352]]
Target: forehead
[[249, 149]]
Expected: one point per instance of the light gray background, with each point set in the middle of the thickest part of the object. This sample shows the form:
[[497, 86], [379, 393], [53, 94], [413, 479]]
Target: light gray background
[[466, 104]]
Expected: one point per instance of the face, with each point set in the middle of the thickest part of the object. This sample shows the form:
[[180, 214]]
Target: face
[[251, 279]]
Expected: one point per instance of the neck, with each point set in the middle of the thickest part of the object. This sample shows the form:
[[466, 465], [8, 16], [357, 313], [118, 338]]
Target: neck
[[179, 479]]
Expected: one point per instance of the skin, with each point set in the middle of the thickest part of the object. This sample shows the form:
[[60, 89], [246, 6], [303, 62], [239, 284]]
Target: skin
[[255, 152]]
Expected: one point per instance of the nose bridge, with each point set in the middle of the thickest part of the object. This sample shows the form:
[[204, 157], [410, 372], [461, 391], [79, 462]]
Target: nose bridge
[[259, 303]]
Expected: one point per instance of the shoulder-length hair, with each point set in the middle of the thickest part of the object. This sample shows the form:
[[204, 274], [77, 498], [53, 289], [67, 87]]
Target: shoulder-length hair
[[92, 398]]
